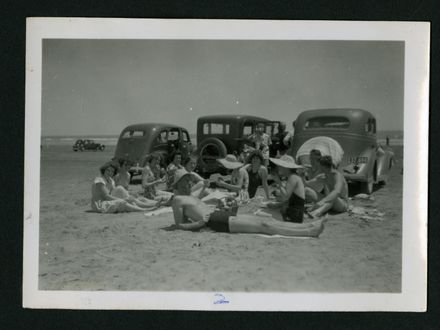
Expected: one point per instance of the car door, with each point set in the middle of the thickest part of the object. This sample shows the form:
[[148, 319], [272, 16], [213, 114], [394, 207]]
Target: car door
[[185, 145]]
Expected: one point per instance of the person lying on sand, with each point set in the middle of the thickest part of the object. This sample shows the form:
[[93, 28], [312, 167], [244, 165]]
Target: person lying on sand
[[104, 201], [190, 213], [335, 189]]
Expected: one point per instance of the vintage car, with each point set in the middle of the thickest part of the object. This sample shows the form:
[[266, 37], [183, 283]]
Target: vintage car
[[364, 160], [81, 145], [219, 135], [139, 140]]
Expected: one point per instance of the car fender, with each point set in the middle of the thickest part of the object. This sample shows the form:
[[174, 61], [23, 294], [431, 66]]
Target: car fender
[[368, 170]]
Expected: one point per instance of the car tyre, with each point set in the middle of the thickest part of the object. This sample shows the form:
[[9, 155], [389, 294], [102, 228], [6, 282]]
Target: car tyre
[[215, 143], [102, 148], [367, 187]]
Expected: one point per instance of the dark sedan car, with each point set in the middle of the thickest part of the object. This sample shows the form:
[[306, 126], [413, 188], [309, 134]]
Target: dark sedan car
[[87, 144]]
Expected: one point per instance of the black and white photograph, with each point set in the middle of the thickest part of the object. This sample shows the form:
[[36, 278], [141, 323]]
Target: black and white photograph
[[226, 165]]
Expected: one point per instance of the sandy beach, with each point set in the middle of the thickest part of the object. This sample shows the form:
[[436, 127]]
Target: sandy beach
[[80, 250]]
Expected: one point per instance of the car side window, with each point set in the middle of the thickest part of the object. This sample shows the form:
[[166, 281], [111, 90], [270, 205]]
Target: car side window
[[247, 129], [185, 136], [205, 128], [162, 137]]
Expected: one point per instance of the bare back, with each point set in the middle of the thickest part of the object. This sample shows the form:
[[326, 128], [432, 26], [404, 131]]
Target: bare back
[[189, 209], [336, 181]]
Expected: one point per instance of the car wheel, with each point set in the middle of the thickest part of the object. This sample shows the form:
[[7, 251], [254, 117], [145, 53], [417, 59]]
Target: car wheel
[[102, 148], [210, 150], [367, 187], [81, 148]]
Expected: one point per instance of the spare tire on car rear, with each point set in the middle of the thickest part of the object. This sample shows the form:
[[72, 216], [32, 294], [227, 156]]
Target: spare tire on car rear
[[209, 151]]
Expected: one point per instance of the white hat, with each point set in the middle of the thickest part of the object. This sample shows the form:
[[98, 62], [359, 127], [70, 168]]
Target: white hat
[[230, 162], [286, 162]]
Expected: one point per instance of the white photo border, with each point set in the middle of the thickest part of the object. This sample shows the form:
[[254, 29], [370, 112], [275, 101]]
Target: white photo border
[[416, 36]]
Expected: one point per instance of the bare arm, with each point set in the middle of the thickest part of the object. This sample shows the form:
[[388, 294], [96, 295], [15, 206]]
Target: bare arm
[[105, 194], [337, 190], [233, 187], [263, 174], [179, 218]]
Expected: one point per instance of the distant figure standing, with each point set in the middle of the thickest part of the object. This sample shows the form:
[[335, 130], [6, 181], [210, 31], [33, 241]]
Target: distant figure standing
[[282, 143], [388, 140], [262, 142]]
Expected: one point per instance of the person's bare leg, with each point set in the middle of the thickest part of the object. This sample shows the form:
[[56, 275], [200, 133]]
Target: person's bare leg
[[311, 195], [127, 207], [145, 202], [259, 225], [340, 205], [319, 212]]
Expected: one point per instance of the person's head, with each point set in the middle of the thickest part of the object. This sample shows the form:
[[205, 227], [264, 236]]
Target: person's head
[[286, 165], [124, 163], [326, 163], [260, 128], [154, 159], [190, 163], [314, 157], [176, 158], [109, 169], [183, 182], [230, 162], [255, 158], [282, 127]]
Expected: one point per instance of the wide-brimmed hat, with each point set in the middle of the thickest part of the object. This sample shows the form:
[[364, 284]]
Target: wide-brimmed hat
[[230, 162], [286, 162], [179, 175]]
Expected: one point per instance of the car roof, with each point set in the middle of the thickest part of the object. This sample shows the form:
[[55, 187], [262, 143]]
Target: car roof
[[231, 117], [150, 126], [346, 112]]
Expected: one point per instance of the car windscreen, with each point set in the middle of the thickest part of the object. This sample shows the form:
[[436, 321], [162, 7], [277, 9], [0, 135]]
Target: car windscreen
[[327, 122], [132, 134]]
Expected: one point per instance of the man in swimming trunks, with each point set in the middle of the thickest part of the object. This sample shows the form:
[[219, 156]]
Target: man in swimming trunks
[[335, 189], [190, 213]]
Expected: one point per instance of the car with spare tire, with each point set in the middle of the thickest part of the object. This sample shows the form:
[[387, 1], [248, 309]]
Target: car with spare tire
[[219, 135], [364, 160]]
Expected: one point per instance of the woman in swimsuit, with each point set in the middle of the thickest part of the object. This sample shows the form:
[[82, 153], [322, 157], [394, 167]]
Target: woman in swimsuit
[[190, 213], [291, 199], [257, 173], [104, 201]]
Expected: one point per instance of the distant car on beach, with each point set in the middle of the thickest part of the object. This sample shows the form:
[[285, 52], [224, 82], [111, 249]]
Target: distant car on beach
[[137, 141], [87, 144], [219, 135], [364, 160]]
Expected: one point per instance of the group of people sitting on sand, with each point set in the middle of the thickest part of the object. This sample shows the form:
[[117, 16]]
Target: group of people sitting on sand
[[297, 191]]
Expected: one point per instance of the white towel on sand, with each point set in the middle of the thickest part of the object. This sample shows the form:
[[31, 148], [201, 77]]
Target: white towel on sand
[[162, 210]]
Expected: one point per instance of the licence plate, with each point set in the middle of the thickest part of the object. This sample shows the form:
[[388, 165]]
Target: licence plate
[[357, 160]]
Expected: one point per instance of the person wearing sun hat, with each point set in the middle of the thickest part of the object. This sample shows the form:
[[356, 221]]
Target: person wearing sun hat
[[239, 178], [291, 199]]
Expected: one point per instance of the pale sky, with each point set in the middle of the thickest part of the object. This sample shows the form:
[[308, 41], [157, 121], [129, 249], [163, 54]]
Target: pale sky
[[100, 86]]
